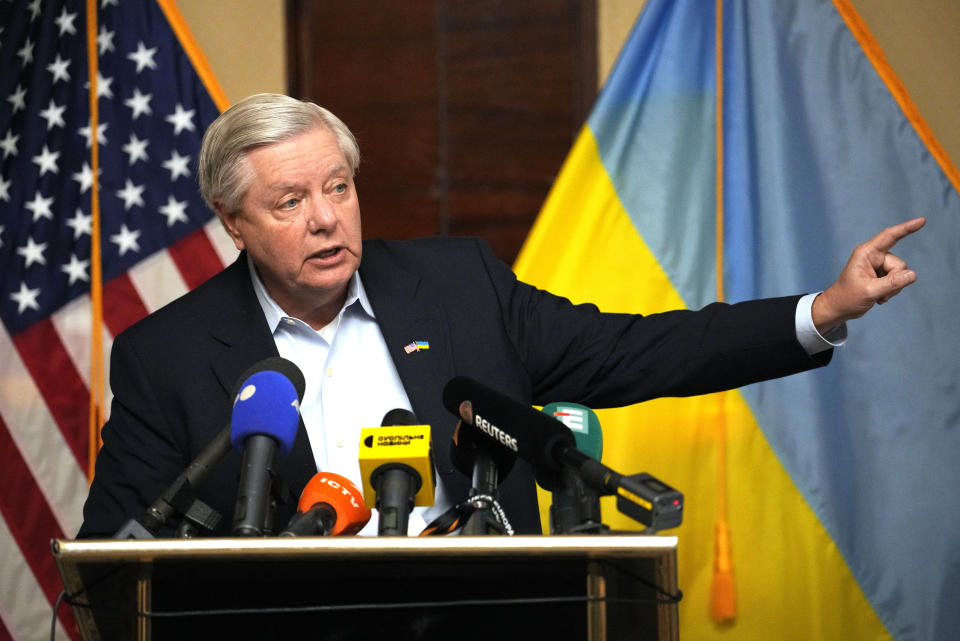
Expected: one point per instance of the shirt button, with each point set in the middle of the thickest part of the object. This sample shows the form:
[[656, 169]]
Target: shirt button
[[340, 443], [329, 371], [289, 321]]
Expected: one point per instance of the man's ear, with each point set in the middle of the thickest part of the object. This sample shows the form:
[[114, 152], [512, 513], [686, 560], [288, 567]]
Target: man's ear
[[229, 222]]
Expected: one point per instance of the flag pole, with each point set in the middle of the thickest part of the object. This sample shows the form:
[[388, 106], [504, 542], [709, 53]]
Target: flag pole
[[722, 593], [96, 275]]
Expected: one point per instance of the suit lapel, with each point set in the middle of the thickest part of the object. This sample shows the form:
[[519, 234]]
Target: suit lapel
[[406, 314], [239, 330], [242, 339]]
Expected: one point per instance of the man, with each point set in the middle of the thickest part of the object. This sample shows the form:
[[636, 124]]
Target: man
[[279, 174]]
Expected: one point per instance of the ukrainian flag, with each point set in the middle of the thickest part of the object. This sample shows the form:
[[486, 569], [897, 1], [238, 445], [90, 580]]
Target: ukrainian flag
[[741, 149]]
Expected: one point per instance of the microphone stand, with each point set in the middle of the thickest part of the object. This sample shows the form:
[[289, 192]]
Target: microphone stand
[[576, 507], [484, 496], [180, 500]]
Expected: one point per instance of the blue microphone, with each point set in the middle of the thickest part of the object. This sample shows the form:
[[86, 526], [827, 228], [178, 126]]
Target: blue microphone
[[264, 423]]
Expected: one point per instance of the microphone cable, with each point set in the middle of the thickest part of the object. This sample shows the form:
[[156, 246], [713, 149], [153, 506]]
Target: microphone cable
[[455, 517]]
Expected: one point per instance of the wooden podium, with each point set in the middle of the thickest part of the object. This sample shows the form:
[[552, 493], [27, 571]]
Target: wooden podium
[[602, 588]]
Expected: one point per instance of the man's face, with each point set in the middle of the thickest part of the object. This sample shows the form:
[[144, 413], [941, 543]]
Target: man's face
[[300, 223]]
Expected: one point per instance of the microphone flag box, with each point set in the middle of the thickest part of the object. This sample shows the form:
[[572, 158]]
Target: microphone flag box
[[397, 444]]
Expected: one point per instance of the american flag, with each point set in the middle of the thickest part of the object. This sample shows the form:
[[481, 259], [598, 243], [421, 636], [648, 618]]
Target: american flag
[[158, 240]]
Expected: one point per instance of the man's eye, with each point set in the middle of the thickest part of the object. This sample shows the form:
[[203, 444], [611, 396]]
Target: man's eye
[[290, 203], [340, 188]]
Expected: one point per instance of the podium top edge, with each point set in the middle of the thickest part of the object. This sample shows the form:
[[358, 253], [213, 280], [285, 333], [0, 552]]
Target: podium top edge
[[623, 546]]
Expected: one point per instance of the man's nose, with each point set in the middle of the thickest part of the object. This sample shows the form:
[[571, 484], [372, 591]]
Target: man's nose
[[321, 216]]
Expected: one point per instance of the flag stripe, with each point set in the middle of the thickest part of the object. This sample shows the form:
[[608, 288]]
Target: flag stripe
[[652, 86], [549, 257], [65, 394], [72, 324], [24, 510], [221, 242], [50, 458], [23, 605], [157, 281], [4, 632], [196, 258], [122, 304]]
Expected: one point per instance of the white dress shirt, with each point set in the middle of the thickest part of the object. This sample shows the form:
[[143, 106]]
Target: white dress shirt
[[351, 383], [807, 333]]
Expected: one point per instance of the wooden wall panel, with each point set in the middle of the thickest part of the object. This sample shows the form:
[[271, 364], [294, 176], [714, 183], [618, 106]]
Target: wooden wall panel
[[464, 110]]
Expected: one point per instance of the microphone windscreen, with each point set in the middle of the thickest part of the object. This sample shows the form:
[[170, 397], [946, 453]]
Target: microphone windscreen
[[584, 424], [387, 445], [465, 445], [399, 416], [534, 436], [266, 404], [342, 496], [274, 364]]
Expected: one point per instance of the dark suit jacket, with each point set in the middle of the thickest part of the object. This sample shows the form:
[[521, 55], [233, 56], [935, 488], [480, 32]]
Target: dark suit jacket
[[172, 373]]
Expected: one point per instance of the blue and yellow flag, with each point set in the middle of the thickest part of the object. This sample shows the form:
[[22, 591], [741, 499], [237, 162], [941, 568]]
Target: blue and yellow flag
[[741, 149]]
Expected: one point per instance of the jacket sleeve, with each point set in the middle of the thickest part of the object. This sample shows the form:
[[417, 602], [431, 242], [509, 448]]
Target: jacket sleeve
[[576, 352], [140, 453]]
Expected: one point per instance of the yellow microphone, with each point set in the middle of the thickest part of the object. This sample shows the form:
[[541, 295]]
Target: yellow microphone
[[397, 469]]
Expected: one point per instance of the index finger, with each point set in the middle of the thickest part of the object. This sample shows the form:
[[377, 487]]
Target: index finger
[[885, 240]]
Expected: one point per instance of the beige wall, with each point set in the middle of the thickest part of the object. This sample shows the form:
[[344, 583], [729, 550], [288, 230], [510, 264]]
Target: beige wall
[[244, 42], [615, 18], [921, 41]]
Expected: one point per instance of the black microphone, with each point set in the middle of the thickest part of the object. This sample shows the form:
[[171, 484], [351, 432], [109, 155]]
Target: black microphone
[[266, 416], [486, 465], [180, 498], [482, 462], [511, 426], [549, 445], [396, 469]]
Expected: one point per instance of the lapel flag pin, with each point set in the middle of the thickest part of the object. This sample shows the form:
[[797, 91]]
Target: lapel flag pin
[[416, 346]]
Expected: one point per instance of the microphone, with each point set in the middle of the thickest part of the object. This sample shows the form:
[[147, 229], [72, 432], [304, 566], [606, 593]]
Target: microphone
[[180, 498], [468, 452], [576, 507], [396, 469], [266, 416], [583, 422], [485, 464], [549, 445], [511, 426], [330, 505]]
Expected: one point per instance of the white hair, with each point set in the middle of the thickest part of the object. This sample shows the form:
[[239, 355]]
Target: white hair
[[256, 121]]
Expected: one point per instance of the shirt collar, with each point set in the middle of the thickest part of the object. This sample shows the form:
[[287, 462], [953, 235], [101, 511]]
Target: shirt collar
[[356, 298]]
